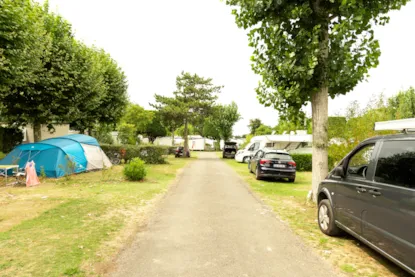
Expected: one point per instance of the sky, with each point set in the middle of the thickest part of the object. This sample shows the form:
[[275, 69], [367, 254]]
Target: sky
[[154, 41]]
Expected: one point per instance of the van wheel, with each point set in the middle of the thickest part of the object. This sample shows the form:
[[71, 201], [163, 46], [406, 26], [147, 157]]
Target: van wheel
[[325, 218], [245, 160]]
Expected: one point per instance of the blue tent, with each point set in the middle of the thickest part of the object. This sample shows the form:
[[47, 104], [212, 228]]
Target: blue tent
[[56, 155]]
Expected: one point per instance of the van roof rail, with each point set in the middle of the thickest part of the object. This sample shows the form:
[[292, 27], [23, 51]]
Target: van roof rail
[[403, 125]]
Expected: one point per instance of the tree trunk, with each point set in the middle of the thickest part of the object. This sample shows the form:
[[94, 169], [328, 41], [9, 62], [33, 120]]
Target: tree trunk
[[186, 139], [172, 138], [319, 105], [37, 132]]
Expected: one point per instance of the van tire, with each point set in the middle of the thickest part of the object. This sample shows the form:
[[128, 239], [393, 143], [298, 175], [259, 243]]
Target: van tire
[[326, 220]]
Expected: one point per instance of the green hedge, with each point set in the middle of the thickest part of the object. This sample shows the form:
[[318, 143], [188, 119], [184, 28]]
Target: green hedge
[[9, 138], [305, 161], [150, 154]]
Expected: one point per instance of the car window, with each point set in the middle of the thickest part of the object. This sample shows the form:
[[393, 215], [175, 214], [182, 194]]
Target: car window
[[278, 156], [396, 164], [359, 162]]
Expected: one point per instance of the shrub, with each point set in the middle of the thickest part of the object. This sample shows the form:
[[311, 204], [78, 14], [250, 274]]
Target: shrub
[[9, 138], [303, 161], [135, 170], [150, 154], [2, 155]]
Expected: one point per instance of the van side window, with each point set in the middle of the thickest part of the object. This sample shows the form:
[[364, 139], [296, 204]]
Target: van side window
[[396, 164], [359, 162], [252, 147], [256, 146]]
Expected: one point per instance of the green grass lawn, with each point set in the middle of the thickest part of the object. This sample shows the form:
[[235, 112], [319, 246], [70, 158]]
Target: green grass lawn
[[288, 200], [73, 227]]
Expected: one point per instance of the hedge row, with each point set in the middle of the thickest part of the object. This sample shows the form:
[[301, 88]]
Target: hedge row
[[150, 154], [304, 162]]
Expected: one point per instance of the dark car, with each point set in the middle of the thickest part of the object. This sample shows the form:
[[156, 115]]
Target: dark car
[[270, 163], [229, 150], [371, 195]]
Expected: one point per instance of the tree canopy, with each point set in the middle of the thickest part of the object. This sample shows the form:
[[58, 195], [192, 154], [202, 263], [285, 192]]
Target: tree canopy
[[254, 124], [224, 118], [40, 61], [191, 103], [308, 50]]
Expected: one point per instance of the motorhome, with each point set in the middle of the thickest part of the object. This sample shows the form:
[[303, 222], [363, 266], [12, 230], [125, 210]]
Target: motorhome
[[292, 141]]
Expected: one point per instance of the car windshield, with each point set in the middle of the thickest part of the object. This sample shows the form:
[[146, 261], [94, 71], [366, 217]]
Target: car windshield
[[277, 156]]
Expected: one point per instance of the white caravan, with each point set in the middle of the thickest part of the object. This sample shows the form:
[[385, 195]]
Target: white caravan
[[294, 140]]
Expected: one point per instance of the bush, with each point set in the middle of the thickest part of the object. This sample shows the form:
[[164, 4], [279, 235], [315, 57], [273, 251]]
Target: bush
[[9, 138], [150, 154], [135, 170], [305, 162], [2, 155]]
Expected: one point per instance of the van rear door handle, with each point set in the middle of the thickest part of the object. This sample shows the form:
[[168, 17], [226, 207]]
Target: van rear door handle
[[360, 189], [375, 192]]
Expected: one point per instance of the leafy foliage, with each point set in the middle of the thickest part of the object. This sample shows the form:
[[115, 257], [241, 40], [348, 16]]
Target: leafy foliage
[[293, 125], [263, 130], [302, 45], [102, 133], [402, 105], [192, 102], [135, 170], [254, 124], [9, 138], [224, 118], [309, 50], [303, 161], [155, 129], [40, 60], [150, 154], [127, 134]]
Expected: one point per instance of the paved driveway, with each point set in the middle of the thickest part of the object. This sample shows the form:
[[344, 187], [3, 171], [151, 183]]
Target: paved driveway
[[211, 225]]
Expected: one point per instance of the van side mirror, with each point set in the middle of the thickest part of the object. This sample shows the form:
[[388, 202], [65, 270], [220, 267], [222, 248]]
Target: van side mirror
[[339, 172]]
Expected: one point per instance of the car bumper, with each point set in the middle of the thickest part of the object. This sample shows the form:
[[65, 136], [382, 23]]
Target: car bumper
[[239, 158], [228, 155], [277, 173]]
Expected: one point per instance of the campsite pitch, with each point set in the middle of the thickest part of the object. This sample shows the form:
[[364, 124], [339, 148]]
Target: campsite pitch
[[72, 227]]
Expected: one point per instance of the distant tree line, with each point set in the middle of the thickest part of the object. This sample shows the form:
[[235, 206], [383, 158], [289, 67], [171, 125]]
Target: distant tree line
[[48, 77]]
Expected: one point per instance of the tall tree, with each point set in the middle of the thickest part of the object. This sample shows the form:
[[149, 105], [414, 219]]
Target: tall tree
[[194, 96], [24, 44], [104, 90], [309, 50], [224, 118], [254, 124]]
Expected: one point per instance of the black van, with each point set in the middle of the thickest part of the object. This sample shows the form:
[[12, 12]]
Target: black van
[[371, 195]]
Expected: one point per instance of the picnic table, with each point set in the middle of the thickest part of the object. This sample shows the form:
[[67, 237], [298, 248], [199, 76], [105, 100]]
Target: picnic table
[[5, 168]]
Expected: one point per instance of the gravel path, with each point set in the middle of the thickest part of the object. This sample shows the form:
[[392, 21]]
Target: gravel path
[[211, 225]]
